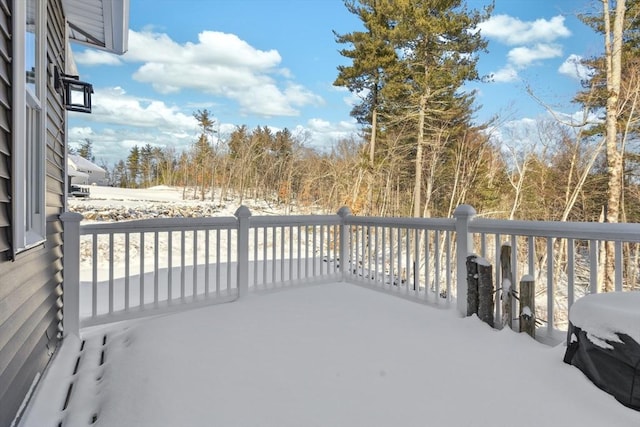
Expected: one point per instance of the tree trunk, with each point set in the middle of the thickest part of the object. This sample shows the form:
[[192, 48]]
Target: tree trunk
[[372, 152], [613, 58], [418, 182]]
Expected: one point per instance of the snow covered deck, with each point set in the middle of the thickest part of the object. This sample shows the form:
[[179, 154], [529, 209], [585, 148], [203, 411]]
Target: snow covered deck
[[323, 355]]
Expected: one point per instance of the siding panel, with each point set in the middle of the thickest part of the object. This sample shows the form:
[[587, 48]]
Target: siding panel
[[30, 286], [32, 357], [5, 135]]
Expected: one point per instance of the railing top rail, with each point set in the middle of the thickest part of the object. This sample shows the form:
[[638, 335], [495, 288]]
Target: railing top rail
[[444, 224], [575, 230], [161, 224], [267, 220]]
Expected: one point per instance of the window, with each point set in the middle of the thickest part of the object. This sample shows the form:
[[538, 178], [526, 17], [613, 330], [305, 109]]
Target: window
[[29, 95]]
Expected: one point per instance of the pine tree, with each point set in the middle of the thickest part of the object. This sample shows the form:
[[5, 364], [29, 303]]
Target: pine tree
[[412, 61], [203, 150], [133, 166], [86, 150], [440, 43], [373, 59]]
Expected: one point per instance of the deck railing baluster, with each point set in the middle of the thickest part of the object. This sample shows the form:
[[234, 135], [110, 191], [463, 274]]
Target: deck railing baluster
[[206, 262], [127, 276], [229, 260], [291, 253], [380, 252], [427, 263], [618, 266], [436, 263], [156, 278], [218, 261], [448, 272], [194, 284], [141, 253], [550, 286], [182, 264], [593, 265], [570, 273], [111, 286], [94, 274]]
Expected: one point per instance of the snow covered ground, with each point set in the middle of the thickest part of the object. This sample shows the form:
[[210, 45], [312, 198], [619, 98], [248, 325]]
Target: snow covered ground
[[322, 355], [160, 197], [325, 355]]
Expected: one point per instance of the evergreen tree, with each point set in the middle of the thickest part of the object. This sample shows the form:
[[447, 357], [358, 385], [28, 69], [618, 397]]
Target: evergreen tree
[[203, 151], [238, 138], [428, 50], [373, 60], [133, 166], [86, 150], [120, 175], [146, 164]]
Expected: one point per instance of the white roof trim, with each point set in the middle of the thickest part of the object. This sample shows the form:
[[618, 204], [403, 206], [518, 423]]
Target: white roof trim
[[81, 164], [101, 24]]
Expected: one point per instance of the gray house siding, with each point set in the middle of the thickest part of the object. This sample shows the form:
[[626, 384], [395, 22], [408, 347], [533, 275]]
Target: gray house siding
[[5, 128], [30, 285]]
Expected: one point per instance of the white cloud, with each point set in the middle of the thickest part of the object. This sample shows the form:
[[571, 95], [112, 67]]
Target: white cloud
[[512, 31], [534, 41], [574, 68], [320, 125], [92, 57], [120, 121], [581, 118], [222, 65], [299, 95], [124, 121], [505, 75], [114, 106], [323, 134], [524, 56]]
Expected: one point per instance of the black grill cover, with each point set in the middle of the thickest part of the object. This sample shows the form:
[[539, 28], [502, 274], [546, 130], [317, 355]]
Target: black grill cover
[[616, 370]]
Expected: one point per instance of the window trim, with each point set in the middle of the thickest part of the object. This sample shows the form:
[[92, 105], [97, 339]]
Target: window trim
[[29, 216]]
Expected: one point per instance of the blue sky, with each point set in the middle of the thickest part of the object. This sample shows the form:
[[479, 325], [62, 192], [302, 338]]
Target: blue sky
[[273, 62]]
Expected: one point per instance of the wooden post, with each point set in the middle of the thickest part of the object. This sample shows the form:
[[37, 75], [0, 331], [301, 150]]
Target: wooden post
[[507, 294], [472, 285], [480, 289], [71, 273], [528, 305], [485, 291]]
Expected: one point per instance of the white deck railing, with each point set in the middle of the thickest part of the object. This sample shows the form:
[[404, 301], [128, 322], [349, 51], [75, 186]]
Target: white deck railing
[[122, 270]]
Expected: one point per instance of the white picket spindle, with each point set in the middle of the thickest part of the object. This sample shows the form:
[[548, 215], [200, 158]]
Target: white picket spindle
[[413, 256]]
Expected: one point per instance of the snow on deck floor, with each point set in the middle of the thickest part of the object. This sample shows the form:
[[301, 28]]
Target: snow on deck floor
[[326, 355]]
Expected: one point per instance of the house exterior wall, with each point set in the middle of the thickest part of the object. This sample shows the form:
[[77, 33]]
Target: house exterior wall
[[90, 173], [97, 178], [30, 284], [92, 177]]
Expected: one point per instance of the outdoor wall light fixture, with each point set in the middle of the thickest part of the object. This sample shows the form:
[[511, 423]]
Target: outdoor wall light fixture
[[76, 94]]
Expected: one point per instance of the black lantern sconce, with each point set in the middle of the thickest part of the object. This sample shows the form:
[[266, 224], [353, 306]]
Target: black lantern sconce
[[76, 94]]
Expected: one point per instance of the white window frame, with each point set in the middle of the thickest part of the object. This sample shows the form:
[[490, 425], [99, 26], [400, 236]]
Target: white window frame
[[29, 138]]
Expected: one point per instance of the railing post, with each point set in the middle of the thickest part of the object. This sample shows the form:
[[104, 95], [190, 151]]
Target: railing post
[[71, 273], [343, 213], [464, 247], [243, 213]]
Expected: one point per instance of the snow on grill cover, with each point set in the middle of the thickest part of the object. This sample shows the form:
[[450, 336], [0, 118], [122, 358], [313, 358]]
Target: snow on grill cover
[[604, 343]]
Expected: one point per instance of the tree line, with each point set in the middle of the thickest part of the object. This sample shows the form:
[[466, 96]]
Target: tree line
[[421, 153]]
